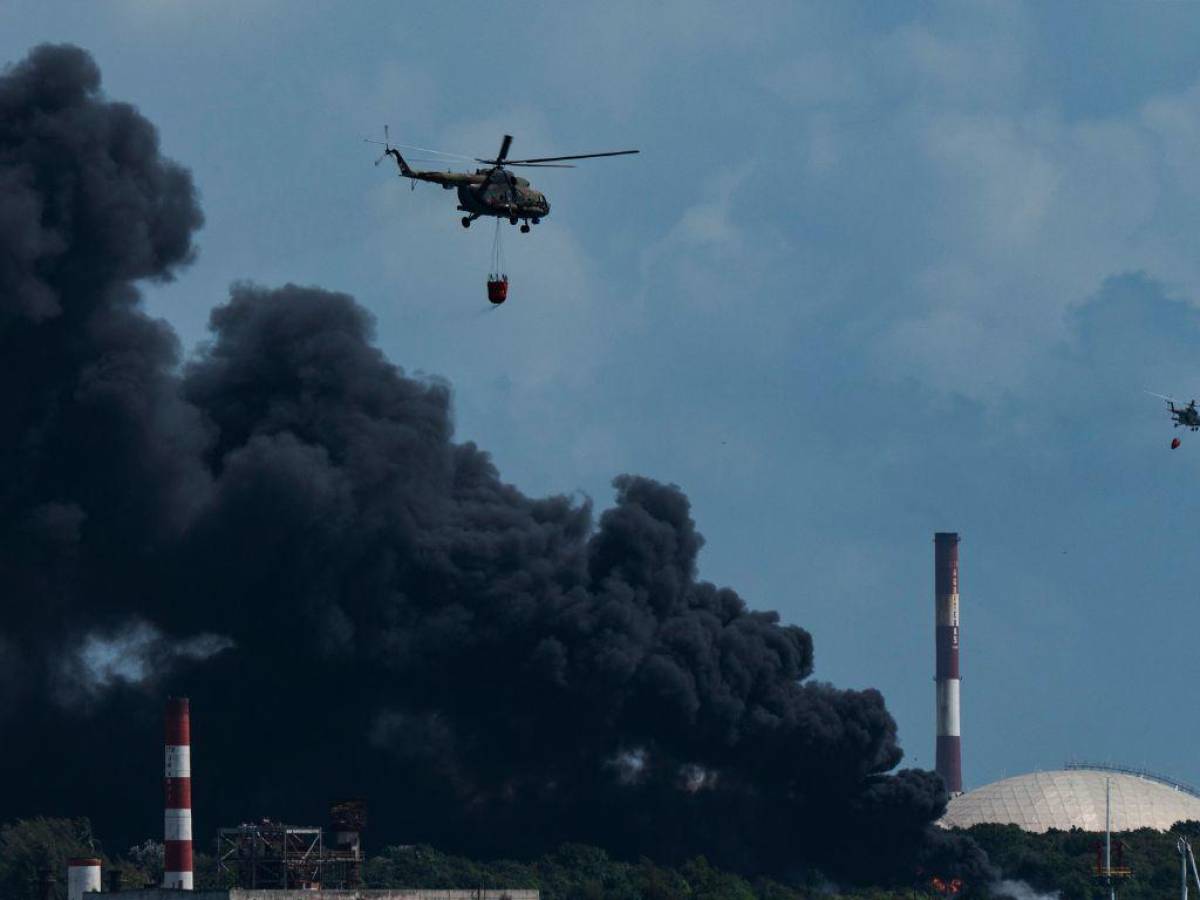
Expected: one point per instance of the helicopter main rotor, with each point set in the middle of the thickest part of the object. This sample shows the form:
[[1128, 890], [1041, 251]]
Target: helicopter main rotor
[[547, 162]]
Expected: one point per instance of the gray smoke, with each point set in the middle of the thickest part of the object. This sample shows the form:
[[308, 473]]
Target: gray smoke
[[1019, 890]]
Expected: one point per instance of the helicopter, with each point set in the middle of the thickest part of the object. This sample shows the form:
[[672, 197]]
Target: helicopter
[[492, 191], [1187, 416]]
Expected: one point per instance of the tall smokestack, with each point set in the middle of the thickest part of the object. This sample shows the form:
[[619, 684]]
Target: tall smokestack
[[177, 870], [945, 587]]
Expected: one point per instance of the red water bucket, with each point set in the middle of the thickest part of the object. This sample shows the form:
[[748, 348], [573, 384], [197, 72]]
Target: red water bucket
[[497, 288]]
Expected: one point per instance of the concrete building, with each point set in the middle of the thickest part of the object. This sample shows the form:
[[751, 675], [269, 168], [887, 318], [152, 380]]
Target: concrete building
[[1074, 798]]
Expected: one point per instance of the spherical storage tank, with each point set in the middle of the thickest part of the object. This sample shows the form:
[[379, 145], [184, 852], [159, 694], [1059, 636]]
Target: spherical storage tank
[[1074, 798]]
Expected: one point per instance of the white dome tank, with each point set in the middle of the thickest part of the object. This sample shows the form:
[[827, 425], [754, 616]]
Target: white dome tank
[[1074, 798]]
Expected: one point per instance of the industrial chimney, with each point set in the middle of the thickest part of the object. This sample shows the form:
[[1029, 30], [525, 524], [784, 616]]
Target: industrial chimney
[[83, 876], [177, 837], [945, 593]]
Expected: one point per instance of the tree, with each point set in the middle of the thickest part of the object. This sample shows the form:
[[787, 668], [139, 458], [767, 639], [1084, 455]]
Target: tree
[[28, 846]]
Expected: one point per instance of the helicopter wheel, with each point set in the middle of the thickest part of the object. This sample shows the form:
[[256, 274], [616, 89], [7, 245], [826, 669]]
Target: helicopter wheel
[[525, 228], [466, 221], [536, 221], [512, 220]]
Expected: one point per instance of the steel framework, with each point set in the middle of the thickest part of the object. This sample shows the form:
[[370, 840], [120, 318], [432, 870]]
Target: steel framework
[[273, 855]]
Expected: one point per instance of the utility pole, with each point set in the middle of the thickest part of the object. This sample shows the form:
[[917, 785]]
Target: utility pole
[[1181, 846], [1112, 888]]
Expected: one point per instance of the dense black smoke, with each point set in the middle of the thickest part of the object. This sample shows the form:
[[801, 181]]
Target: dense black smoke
[[285, 530]]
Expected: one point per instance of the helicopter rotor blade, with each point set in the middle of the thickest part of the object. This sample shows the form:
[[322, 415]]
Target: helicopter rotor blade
[[1162, 397], [436, 152], [383, 143], [546, 159], [386, 142], [426, 159], [501, 156], [369, 141], [542, 165]]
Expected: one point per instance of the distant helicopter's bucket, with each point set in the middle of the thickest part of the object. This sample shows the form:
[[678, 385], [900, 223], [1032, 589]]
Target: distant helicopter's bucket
[[497, 288]]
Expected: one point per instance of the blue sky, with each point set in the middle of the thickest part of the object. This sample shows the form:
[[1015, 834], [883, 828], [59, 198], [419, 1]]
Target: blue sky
[[881, 270]]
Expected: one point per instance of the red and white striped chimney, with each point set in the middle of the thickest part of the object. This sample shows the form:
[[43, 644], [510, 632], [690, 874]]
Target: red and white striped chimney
[[945, 592], [177, 838]]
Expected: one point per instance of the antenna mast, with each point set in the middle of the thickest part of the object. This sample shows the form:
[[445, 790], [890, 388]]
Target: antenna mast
[[1106, 872]]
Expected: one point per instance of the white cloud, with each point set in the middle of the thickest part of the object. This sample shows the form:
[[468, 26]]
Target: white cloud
[[983, 216]]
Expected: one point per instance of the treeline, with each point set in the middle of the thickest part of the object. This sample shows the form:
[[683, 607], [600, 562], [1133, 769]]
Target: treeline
[[573, 872], [31, 847], [1065, 861], [1034, 866]]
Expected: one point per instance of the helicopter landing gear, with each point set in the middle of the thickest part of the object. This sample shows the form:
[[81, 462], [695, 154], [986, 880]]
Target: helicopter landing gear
[[525, 228], [466, 221], [512, 220], [536, 221]]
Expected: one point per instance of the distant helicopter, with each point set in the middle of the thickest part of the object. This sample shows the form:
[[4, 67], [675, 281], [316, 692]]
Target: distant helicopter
[[1187, 416], [493, 191]]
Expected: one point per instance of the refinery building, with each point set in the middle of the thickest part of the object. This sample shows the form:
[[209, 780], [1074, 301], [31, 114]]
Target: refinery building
[[1079, 795], [265, 860]]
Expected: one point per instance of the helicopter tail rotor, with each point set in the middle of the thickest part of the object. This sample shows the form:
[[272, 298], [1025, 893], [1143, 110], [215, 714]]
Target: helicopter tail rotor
[[385, 143], [389, 150]]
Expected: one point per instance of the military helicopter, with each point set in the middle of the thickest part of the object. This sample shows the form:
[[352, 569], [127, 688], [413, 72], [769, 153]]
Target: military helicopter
[[493, 191], [1187, 416]]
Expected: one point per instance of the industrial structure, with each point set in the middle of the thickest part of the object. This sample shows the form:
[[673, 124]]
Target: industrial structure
[[177, 786], [277, 856], [1086, 796], [1108, 874], [1075, 797], [266, 860], [83, 876], [945, 600], [349, 819]]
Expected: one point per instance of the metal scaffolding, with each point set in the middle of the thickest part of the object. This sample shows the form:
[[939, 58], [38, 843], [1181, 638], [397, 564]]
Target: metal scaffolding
[[276, 856]]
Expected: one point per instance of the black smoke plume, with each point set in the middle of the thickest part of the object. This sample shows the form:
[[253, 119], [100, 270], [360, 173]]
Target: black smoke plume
[[284, 529]]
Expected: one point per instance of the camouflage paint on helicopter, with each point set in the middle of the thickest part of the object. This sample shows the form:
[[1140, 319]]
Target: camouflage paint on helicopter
[[493, 191]]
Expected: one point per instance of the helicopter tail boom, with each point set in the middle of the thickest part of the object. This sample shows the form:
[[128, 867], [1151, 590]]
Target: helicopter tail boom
[[405, 169]]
